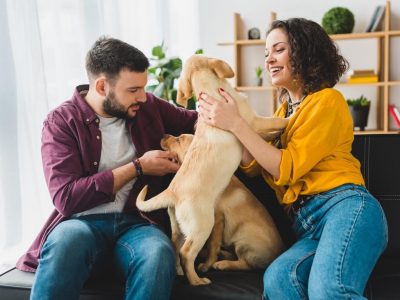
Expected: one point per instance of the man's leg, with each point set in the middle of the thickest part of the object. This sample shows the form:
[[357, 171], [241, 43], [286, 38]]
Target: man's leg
[[145, 257], [287, 276], [65, 261]]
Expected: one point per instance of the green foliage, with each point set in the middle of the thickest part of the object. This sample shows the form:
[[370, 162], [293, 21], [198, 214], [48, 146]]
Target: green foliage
[[338, 20], [259, 72], [360, 101], [163, 72]]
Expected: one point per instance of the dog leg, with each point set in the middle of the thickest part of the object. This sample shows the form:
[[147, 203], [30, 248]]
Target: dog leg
[[269, 127], [177, 239], [214, 243], [196, 237], [235, 265]]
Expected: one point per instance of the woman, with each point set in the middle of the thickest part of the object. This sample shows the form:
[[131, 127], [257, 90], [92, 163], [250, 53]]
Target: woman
[[340, 227]]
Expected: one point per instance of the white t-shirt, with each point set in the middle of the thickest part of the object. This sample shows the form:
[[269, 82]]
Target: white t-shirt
[[117, 150]]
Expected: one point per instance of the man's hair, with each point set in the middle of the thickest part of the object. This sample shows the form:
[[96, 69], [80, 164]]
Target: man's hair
[[314, 57], [109, 56]]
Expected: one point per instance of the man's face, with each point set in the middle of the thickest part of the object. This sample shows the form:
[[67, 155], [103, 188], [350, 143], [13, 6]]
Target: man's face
[[125, 95]]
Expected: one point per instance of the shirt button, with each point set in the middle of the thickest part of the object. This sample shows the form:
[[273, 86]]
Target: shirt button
[[95, 163], [87, 120], [98, 137], [97, 120]]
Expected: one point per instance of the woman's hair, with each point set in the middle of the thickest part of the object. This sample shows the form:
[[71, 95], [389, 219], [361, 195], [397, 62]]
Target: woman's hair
[[109, 56], [314, 57]]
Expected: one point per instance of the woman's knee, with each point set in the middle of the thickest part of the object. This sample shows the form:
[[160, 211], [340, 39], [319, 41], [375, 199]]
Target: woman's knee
[[275, 276]]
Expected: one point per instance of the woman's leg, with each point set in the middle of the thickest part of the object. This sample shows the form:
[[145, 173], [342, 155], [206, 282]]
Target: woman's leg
[[353, 237], [287, 276]]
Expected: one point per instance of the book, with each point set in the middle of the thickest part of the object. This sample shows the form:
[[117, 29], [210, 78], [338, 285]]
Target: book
[[363, 79], [367, 72], [394, 111], [376, 19]]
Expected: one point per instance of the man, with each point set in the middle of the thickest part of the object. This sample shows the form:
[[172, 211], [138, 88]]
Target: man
[[98, 150]]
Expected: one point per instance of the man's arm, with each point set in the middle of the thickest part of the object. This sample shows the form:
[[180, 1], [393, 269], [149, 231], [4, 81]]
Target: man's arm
[[155, 162]]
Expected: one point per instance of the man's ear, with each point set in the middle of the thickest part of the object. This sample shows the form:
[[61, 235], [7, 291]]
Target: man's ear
[[101, 86]]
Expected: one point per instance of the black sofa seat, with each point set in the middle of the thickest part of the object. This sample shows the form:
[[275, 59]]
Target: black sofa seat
[[380, 159]]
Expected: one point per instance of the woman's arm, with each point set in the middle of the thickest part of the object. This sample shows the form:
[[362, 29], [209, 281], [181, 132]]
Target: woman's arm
[[225, 115]]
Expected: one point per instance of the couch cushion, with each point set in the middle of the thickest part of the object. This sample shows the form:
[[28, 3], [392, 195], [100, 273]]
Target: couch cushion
[[15, 284]]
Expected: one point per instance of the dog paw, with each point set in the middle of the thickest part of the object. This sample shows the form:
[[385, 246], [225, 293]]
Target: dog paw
[[203, 267], [220, 265], [200, 281]]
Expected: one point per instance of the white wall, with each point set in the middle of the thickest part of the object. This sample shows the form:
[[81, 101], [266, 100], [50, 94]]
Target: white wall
[[216, 25]]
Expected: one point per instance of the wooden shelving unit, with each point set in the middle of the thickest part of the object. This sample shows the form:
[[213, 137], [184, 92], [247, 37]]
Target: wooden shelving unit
[[383, 64]]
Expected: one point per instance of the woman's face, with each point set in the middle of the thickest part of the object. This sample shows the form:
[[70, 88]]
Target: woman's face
[[277, 59]]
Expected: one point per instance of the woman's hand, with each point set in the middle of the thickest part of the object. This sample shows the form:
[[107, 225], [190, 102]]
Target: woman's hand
[[222, 114]]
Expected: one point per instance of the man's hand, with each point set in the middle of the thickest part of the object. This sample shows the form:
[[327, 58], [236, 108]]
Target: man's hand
[[159, 163]]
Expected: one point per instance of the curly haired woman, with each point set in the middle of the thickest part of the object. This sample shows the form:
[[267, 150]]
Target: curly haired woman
[[340, 227]]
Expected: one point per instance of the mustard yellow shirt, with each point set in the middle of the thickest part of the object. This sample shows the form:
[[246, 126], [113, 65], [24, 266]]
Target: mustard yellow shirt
[[316, 148]]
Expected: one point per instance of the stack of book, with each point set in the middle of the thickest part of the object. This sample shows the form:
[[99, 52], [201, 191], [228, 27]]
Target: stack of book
[[362, 76], [394, 111]]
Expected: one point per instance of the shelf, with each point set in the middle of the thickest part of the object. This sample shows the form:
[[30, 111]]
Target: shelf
[[345, 36], [361, 83], [358, 132], [243, 42], [255, 88], [361, 35], [392, 83]]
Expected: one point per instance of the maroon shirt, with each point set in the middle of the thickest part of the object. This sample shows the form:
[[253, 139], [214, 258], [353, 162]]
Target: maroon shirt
[[71, 148]]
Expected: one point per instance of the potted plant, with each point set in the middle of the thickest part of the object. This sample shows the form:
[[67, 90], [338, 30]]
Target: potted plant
[[259, 79], [338, 20], [163, 73], [359, 109]]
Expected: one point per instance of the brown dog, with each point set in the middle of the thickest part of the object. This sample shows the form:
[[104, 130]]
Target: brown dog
[[242, 224], [213, 157]]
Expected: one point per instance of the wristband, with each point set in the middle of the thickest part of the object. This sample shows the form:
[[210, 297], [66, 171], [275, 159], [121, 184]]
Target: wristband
[[138, 167]]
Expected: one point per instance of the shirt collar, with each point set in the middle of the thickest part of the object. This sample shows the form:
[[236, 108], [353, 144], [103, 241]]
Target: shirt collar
[[78, 99]]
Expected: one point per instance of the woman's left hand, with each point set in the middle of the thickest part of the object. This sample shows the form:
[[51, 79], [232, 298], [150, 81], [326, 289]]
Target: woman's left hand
[[222, 114]]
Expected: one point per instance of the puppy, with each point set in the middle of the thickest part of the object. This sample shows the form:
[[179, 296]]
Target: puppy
[[213, 157], [242, 224]]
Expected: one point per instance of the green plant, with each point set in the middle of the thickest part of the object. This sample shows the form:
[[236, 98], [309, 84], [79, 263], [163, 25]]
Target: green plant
[[259, 72], [360, 101], [163, 73], [338, 20]]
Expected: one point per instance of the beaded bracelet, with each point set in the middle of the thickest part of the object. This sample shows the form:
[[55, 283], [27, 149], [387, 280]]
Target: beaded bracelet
[[138, 167]]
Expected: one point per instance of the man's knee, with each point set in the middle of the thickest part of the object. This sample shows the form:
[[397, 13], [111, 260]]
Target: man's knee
[[69, 238]]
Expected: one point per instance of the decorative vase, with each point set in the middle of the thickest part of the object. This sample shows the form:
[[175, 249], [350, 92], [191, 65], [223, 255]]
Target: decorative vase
[[259, 81], [359, 115]]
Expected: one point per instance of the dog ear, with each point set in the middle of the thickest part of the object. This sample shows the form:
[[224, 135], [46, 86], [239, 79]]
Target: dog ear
[[184, 91], [221, 68]]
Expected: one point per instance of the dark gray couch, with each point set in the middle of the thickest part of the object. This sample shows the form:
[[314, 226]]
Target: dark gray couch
[[380, 159]]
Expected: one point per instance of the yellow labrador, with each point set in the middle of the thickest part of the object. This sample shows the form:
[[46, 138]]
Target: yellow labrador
[[242, 224], [213, 157]]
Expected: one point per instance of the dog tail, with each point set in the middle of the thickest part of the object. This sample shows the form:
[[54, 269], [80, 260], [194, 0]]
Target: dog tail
[[162, 200]]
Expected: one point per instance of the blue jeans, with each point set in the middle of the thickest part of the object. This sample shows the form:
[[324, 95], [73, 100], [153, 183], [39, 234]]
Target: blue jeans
[[341, 234], [82, 247]]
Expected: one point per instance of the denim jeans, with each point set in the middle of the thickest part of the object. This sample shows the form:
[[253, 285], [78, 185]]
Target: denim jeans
[[341, 234], [81, 247]]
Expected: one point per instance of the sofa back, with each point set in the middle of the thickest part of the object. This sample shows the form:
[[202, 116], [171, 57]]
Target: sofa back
[[379, 156]]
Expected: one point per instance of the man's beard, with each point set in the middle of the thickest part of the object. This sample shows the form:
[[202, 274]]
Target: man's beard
[[112, 107]]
